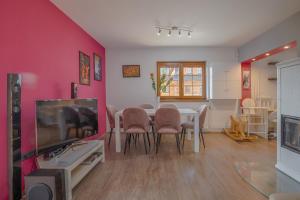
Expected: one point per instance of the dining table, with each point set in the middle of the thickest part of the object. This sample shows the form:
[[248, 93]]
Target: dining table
[[151, 112]]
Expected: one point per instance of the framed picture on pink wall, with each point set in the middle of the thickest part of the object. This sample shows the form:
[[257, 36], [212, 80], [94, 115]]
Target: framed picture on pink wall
[[84, 69], [97, 68], [246, 79]]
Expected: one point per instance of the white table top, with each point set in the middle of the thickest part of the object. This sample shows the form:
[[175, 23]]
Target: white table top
[[182, 111]]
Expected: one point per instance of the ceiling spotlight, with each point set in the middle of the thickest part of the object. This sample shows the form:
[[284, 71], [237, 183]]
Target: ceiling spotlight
[[286, 47], [189, 34], [253, 59], [267, 54], [159, 31], [169, 34]]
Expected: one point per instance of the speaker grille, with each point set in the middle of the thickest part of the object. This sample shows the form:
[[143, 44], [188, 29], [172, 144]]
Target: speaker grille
[[40, 191]]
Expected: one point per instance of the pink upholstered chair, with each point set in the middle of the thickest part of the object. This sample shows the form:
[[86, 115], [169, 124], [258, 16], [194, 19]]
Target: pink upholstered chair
[[135, 121], [149, 106], [190, 125], [146, 106], [167, 121], [111, 111], [168, 105]]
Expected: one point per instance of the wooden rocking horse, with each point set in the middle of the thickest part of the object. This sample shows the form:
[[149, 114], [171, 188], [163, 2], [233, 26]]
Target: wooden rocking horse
[[236, 131]]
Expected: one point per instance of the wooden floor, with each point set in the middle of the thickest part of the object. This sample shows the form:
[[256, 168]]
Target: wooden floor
[[208, 175]]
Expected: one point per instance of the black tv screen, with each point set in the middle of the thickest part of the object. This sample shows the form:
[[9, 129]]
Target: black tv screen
[[60, 122]]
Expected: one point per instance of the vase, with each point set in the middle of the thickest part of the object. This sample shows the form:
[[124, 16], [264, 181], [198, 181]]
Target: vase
[[157, 102]]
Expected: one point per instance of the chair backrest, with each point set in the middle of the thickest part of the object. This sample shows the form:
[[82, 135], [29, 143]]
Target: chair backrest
[[111, 111], [167, 118], [202, 115], [146, 106], [248, 102], [169, 105], [135, 117]]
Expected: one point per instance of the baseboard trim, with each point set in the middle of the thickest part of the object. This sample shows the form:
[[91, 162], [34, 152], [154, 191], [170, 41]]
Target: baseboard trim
[[213, 130], [289, 172]]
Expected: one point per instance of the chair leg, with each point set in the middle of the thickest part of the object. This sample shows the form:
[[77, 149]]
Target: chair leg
[[148, 140], [203, 142], [129, 140], [183, 139], [158, 137], [125, 144], [181, 135], [111, 130], [178, 143], [135, 139], [145, 144], [154, 141]]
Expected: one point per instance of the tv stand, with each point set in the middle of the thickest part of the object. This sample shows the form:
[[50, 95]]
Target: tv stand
[[76, 161], [68, 148]]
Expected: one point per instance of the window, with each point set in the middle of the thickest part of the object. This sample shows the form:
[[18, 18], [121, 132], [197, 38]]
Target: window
[[187, 80]]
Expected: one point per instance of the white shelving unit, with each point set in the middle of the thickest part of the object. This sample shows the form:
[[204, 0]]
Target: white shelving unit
[[76, 162]]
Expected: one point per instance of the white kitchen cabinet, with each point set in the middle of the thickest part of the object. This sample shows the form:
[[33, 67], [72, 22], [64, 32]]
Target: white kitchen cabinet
[[224, 81]]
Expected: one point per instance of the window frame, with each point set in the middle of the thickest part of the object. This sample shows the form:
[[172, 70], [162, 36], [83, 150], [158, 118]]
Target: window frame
[[182, 65]]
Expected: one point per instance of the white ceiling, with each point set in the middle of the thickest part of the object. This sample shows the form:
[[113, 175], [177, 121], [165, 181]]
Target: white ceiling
[[130, 23]]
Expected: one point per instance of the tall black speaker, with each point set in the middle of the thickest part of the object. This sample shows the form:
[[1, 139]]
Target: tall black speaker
[[45, 184], [14, 135]]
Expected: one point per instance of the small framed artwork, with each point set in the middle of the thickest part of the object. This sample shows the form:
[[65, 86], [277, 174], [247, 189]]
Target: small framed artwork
[[97, 68], [84, 69], [246, 79], [130, 71]]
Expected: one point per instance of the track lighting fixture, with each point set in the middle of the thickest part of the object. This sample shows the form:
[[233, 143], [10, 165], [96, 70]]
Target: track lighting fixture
[[169, 34], [158, 31], [173, 29]]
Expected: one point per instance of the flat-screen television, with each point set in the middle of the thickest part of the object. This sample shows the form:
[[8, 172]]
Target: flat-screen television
[[61, 122]]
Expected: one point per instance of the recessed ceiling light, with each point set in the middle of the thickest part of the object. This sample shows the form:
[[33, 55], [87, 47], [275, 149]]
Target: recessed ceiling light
[[286, 47], [253, 59], [267, 54]]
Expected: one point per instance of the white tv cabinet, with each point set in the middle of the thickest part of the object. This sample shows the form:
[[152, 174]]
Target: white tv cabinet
[[76, 162]]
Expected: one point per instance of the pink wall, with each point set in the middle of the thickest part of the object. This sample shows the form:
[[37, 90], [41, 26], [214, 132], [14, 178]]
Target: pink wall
[[39, 41]]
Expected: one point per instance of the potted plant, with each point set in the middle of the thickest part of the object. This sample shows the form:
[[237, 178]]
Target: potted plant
[[162, 87]]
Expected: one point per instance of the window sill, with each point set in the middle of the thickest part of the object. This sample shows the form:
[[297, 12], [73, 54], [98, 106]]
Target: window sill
[[183, 100]]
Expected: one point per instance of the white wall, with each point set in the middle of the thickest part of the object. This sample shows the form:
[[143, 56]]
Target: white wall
[[261, 71], [123, 92], [283, 33]]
